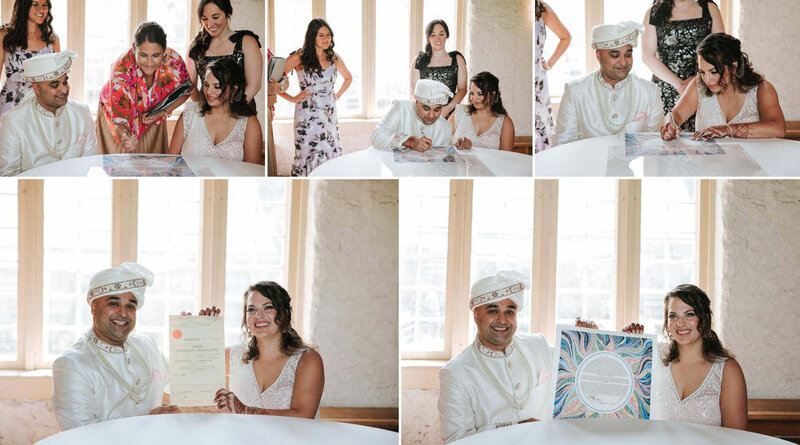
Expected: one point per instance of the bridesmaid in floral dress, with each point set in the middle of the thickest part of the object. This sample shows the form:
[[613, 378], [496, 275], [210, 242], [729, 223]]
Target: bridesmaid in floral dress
[[315, 120], [544, 110], [30, 33]]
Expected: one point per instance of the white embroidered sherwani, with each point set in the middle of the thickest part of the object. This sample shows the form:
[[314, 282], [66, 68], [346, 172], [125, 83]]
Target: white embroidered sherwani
[[402, 122], [31, 136], [85, 392], [469, 400], [633, 101]]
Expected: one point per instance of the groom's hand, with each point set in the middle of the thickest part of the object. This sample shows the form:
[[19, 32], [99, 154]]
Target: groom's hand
[[419, 144]]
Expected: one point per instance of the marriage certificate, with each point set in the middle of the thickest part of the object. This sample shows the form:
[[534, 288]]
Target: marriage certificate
[[196, 359]]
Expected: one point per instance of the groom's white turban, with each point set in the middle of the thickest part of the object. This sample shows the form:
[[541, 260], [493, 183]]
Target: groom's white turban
[[616, 36], [129, 277], [505, 284]]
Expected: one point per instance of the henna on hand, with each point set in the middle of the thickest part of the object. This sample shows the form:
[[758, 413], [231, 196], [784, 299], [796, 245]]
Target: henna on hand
[[741, 131]]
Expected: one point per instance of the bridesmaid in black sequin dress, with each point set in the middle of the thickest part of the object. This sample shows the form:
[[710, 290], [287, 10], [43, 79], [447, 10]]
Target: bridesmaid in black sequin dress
[[673, 29], [436, 63]]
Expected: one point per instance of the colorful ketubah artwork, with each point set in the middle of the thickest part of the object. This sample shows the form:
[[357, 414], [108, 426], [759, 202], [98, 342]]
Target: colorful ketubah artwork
[[146, 165], [651, 144], [603, 374], [437, 153]]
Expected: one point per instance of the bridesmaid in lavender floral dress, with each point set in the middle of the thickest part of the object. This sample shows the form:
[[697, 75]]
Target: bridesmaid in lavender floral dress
[[315, 120], [544, 111]]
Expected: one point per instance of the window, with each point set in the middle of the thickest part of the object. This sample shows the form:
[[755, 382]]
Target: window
[[669, 231], [107, 36], [257, 243], [585, 284], [77, 243], [174, 16], [423, 263], [169, 245], [8, 271], [601, 249], [376, 39], [177, 229]]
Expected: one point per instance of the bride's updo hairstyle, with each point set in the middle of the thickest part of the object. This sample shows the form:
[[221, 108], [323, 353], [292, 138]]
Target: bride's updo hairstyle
[[701, 304], [724, 52], [290, 340]]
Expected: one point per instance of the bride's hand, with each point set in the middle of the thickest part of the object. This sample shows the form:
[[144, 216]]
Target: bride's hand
[[225, 399]]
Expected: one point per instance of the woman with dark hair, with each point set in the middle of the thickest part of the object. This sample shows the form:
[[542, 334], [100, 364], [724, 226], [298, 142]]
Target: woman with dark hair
[[437, 64], [141, 78], [217, 40], [729, 97], [703, 382], [223, 125], [546, 17], [673, 29], [316, 123], [484, 122], [30, 33], [273, 372]]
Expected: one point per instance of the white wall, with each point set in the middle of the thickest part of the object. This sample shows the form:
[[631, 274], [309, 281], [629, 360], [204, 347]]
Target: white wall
[[758, 264], [352, 288], [770, 35], [500, 40]]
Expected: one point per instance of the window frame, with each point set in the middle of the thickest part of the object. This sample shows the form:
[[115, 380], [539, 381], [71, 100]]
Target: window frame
[[368, 49], [419, 367], [124, 238]]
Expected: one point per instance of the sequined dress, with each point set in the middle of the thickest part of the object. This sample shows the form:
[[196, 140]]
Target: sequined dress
[[16, 87], [447, 75], [677, 46], [544, 110], [701, 406], [243, 382], [202, 61]]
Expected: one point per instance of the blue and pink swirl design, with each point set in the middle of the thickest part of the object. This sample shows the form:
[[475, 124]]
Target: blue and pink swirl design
[[576, 346]]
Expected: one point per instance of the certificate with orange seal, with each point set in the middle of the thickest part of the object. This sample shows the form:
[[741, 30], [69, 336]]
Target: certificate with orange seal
[[196, 359]]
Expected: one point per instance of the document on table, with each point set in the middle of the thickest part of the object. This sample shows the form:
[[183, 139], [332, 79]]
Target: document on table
[[603, 374], [196, 359]]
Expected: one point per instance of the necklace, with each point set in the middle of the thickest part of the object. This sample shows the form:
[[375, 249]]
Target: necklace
[[612, 129], [511, 399], [58, 154], [137, 397]]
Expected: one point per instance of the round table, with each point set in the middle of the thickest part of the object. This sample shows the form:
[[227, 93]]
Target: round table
[[616, 431], [373, 162], [605, 156], [93, 165], [220, 429]]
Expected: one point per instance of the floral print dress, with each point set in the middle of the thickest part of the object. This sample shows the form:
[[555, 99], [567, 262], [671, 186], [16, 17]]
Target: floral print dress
[[126, 99], [316, 125], [16, 86], [544, 110]]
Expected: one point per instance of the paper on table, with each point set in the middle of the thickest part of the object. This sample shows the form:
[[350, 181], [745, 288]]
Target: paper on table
[[651, 144], [196, 359], [145, 165], [604, 374], [437, 153]]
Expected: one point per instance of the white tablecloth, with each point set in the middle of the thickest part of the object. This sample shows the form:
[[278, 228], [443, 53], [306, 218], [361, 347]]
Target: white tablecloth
[[371, 163], [608, 432], [605, 156], [93, 165], [219, 429]]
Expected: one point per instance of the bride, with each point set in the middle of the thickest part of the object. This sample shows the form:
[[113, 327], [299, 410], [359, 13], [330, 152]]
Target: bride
[[730, 98], [273, 372], [702, 382]]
